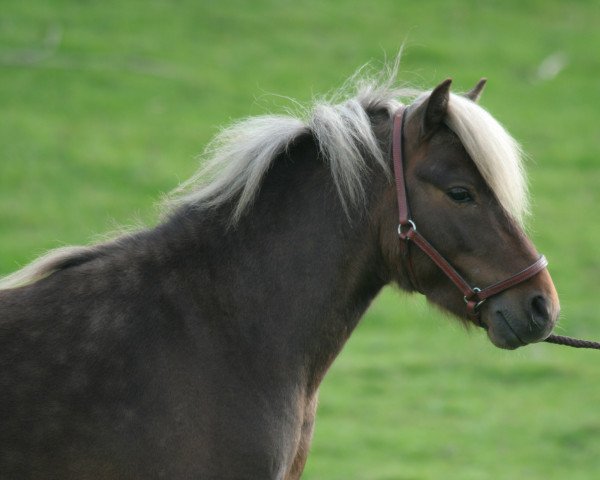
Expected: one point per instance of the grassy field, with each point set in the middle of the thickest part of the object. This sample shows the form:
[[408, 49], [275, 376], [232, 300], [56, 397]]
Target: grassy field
[[105, 106]]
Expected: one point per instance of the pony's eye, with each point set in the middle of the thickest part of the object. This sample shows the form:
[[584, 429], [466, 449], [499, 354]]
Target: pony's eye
[[460, 195]]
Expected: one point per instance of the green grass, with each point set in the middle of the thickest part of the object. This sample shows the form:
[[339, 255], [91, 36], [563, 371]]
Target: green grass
[[105, 106]]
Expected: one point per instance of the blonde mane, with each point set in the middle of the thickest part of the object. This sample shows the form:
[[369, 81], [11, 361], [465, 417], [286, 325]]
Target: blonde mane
[[236, 161], [495, 153]]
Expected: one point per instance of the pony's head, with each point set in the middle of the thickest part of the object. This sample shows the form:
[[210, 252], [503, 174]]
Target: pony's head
[[467, 193]]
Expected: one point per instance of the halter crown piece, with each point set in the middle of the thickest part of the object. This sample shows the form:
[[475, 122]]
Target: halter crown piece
[[407, 231]]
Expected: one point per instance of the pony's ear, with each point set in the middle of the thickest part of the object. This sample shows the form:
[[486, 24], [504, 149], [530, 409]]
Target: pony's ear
[[475, 93], [436, 107]]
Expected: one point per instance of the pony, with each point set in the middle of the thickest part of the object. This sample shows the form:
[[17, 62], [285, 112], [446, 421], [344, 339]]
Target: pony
[[195, 348]]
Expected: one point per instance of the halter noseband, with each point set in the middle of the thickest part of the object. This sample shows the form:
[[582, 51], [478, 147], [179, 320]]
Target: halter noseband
[[407, 231]]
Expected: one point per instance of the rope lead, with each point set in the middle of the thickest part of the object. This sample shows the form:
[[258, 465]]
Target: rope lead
[[572, 342]]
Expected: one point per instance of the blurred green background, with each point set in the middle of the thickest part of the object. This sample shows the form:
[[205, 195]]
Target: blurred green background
[[105, 106]]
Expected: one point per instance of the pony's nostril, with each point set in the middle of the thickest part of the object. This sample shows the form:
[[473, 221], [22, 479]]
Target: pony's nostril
[[540, 309]]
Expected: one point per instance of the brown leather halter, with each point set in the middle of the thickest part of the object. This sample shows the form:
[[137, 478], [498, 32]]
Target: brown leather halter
[[407, 231]]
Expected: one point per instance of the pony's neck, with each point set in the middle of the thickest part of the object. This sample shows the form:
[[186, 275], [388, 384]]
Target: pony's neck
[[295, 275]]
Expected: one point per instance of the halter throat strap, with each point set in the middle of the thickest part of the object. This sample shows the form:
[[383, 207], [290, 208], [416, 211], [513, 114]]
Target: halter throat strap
[[407, 232]]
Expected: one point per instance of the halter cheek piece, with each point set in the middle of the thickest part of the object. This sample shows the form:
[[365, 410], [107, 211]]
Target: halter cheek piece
[[407, 231]]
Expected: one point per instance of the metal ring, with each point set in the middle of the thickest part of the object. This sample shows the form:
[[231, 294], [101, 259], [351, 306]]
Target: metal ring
[[475, 290], [412, 226]]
